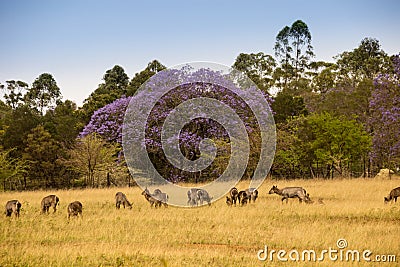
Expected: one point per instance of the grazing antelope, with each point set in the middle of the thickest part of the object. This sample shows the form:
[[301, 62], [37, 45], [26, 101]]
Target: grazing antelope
[[13, 206], [229, 201], [163, 197], [198, 196], [243, 198], [120, 198], [192, 197], [233, 193], [393, 195], [75, 209], [153, 199], [49, 201], [290, 192], [252, 194], [308, 200], [202, 195]]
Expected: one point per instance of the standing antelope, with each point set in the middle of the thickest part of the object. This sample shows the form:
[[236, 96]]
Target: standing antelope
[[13, 206], [49, 201], [290, 192]]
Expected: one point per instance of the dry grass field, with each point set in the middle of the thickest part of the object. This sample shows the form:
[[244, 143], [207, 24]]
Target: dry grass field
[[215, 235]]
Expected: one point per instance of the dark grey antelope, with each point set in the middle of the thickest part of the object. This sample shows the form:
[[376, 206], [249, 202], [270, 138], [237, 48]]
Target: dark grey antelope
[[252, 194], [192, 197], [75, 209], [290, 192], [49, 201], [13, 206], [228, 201], [393, 195], [163, 197], [198, 196], [203, 196], [120, 198], [243, 198]]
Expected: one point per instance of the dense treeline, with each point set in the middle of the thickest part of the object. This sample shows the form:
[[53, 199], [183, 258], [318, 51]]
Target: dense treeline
[[333, 119]]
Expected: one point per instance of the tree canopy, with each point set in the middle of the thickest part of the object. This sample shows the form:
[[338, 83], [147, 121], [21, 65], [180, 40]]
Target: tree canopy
[[333, 119]]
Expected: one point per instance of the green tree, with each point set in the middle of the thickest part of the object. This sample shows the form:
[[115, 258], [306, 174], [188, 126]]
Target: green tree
[[116, 80], [289, 160], [42, 151], [94, 158], [12, 171], [63, 123], [345, 87], [364, 62], [17, 124], [335, 144], [44, 92], [13, 92], [293, 50], [258, 67], [114, 86], [141, 77], [287, 107]]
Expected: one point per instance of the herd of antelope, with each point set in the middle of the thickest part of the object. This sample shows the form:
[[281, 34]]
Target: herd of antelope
[[196, 197]]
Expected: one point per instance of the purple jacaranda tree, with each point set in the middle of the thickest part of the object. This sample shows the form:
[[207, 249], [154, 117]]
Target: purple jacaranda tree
[[182, 88], [107, 121], [385, 116]]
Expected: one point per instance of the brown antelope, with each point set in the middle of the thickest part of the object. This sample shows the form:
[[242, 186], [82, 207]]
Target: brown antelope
[[75, 209], [49, 201], [233, 194], [393, 195], [243, 198], [252, 194], [13, 206], [120, 198]]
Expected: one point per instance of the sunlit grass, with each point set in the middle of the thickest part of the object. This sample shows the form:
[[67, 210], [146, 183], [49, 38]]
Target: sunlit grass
[[208, 236]]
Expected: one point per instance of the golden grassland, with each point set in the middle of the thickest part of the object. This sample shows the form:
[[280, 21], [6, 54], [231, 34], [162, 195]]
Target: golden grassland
[[215, 235]]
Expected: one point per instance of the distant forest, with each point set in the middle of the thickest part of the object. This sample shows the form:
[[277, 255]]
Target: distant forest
[[338, 119]]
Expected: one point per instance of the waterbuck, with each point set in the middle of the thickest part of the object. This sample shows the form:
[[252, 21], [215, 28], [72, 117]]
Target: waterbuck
[[394, 194], [163, 197], [202, 195], [13, 206], [233, 194], [154, 199], [197, 197], [243, 197], [290, 192], [252, 194], [229, 201], [49, 201], [75, 209], [192, 197], [120, 198]]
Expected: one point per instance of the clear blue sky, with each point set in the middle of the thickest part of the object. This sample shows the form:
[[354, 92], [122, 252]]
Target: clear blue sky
[[77, 41]]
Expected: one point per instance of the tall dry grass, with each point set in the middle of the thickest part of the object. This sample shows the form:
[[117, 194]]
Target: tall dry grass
[[207, 236]]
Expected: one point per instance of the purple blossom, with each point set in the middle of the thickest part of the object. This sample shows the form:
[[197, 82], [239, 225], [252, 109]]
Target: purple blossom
[[107, 121], [385, 115]]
